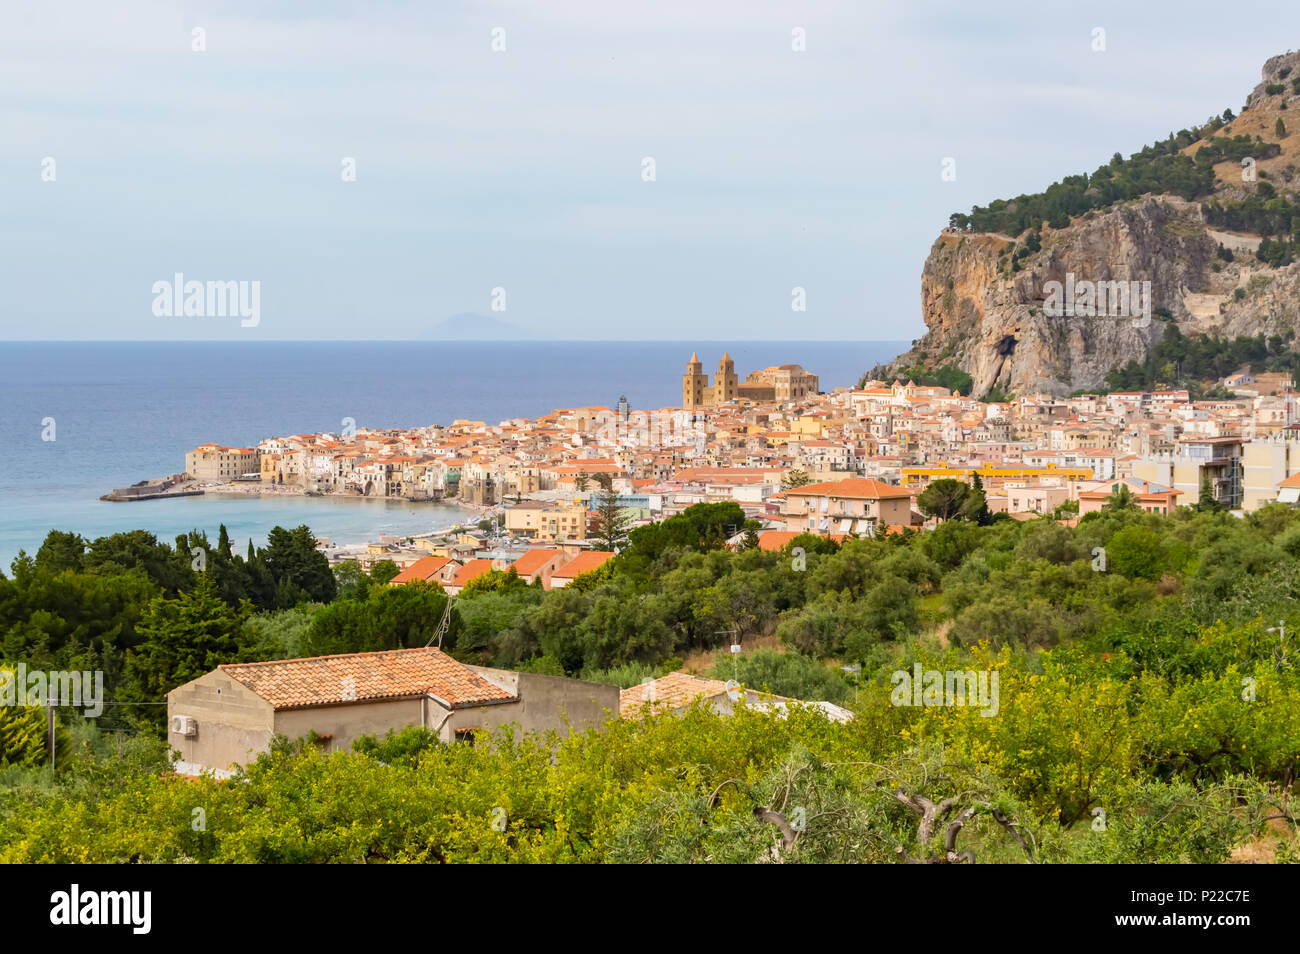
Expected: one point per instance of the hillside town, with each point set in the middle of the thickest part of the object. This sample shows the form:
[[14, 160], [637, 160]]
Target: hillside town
[[795, 459]]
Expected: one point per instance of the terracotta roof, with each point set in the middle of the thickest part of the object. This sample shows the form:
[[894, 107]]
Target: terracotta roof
[[1139, 487], [366, 677], [1292, 481], [471, 570], [422, 569], [859, 487], [534, 560], [582, 563], [779, 539], [677, 690], [673, 691]]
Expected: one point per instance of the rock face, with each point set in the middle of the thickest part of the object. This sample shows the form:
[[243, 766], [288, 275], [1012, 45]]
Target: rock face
[[1277, 69], [998, 322], [1006, 331]]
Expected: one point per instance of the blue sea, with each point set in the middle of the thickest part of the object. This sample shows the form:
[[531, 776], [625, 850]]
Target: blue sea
[[127, 411]]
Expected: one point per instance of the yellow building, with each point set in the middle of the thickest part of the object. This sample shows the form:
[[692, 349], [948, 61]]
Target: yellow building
[[991, 474], [217, 462], [549, 521], [1218, 460], [1265, 464]]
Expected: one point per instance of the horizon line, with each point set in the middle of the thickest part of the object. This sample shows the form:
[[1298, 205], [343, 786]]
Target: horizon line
[[447, 340]]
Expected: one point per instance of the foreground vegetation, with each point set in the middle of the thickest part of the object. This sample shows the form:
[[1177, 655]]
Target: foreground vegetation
[[1146, 711]]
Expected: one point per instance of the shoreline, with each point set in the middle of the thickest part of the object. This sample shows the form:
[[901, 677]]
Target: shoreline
[[469, 515]]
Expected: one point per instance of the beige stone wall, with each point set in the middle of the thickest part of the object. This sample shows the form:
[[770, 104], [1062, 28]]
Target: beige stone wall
[[1265, 464], [347, 722], [220, 465], [545, 703], [234, 724], [895, 511], [555, 523]]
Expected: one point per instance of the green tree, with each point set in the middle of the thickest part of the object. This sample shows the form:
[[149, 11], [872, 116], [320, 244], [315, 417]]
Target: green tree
[[1206, 502], [299, 571], [785, 674], [24, 735], [944, 498], [353, 583], [183, 638], [1136, 552], [976, 508], [612, 522], [795, 478], [60, 551], [1121, 498], [493, 581], [390, 617]]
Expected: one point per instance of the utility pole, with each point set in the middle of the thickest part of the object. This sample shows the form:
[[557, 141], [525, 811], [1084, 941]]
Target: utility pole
[[52, 702], [735, 651], [856, 671]]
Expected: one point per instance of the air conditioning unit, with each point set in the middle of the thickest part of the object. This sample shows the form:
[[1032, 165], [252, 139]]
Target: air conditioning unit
[[185, 725]]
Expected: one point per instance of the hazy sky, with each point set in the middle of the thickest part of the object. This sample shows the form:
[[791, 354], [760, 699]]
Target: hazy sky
[[523, 169]]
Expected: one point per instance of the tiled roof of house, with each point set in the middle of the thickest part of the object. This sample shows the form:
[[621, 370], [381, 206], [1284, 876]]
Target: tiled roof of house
[[677, 690], [856, 487], [1141, 488], [779, 539], [584, 562], [673, 691], [534, 560], [470, 570], [422, 569], [367, 677]]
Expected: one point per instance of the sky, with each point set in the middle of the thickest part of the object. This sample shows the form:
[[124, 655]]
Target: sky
[[500, 152]]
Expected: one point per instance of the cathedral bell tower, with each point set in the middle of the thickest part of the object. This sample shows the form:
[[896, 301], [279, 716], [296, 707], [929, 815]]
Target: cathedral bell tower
[[694, 384]]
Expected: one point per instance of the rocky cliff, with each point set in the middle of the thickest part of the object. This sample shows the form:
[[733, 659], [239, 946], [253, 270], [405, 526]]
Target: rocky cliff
[[991, 305]]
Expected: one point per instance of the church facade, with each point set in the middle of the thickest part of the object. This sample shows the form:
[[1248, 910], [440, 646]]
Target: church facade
[[774, 385]]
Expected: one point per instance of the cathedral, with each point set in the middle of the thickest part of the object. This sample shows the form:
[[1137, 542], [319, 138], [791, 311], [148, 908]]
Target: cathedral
[[786, 382]]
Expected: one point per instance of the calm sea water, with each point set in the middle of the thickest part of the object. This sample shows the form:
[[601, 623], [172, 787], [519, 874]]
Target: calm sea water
[[126, 411]]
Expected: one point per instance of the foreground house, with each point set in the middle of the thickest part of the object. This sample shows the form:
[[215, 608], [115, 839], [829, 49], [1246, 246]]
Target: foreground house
[[229, 716]]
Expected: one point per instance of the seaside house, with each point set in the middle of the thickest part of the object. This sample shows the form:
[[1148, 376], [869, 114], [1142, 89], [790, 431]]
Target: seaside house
[[216, 462]]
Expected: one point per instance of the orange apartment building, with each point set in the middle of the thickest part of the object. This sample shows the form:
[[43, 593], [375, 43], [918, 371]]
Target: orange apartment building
[[855, 505]]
